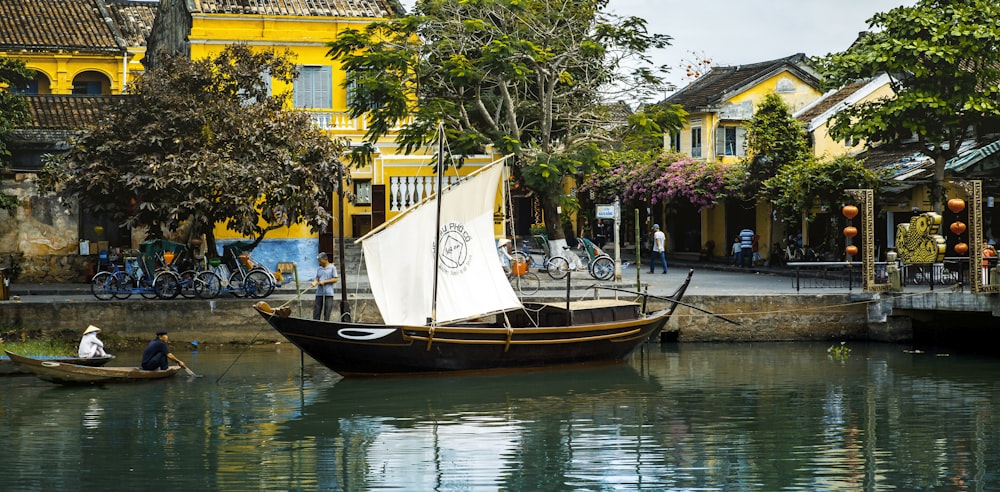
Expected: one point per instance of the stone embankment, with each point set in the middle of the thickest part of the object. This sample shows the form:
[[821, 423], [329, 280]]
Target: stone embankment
[[766, 307]]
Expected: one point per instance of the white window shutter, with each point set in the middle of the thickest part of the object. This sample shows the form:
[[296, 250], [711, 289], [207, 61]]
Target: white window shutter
[[741, 141], [720, 141]]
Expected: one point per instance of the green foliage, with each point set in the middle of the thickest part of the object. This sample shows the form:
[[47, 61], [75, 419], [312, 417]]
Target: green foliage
[[839, 352], [13, 113], [774, 139], [945, 69], [202, 140], [807, 185], [529, 77], [647, 127]]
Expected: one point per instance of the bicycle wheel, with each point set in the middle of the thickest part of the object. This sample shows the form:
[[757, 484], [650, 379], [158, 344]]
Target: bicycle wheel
[[121, 285], [258, 284], [558, 267], [526, 284], [167, 284], [207, 285], [102, 286], [602, 268], [236, 284], [187, 284]]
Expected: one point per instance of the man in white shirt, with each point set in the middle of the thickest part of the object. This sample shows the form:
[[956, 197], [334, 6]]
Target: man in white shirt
[[659, 249]]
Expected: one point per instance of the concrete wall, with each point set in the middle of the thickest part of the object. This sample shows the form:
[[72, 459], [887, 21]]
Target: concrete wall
[[826, 317]]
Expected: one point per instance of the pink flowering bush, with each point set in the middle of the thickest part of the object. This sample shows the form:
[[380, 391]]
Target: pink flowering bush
[[663, 179]]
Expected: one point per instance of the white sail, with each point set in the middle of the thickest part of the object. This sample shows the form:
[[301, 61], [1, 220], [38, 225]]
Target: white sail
[[471, 282]]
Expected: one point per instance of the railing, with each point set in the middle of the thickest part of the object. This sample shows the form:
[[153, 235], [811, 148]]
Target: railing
[[406, 191], [831, 274], [341, 121]]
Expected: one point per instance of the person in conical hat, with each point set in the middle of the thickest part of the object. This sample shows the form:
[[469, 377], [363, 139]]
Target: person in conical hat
[[90, 345]]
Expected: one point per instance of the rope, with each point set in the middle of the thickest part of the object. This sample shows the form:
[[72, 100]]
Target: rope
[[796, 310]]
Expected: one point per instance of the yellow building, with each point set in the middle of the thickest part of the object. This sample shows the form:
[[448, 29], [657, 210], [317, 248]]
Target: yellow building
[[719, 105], [381, 190], [83, 47]]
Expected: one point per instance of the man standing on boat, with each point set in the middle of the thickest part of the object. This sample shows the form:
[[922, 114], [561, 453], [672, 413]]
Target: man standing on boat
[[326, 276], [90, 345], [157, 354]]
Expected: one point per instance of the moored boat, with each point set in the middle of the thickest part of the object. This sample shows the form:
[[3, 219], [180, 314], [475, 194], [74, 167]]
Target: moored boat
[[63, 373], [9, 368], [446, 304]]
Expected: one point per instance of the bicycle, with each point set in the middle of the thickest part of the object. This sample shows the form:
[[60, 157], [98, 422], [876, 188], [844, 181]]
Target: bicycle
[[599, 264], [556, 266], [121, 283], [522, 280], [244, 277]]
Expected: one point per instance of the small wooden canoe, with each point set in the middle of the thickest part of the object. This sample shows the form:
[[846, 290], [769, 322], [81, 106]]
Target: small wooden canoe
[[9, 368], [62, 373]]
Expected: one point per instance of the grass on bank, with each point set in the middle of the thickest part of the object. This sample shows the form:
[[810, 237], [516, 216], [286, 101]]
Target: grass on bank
[[35, 348]]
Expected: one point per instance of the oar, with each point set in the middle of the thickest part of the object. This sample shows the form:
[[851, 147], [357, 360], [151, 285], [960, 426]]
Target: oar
[[669, 299], [191, 373]]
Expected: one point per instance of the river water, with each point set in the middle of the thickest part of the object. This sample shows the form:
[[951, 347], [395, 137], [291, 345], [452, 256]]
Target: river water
[[688, 416]]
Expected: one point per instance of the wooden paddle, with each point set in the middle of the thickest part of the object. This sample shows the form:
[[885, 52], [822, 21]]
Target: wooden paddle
[[191, 373]]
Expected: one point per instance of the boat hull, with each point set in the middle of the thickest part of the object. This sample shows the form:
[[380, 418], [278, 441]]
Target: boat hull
[[63, 373], [541, 335], [9, 368]]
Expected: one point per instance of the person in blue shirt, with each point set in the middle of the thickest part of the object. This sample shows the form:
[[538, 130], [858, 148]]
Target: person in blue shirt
[[157, 354], [326, 276]]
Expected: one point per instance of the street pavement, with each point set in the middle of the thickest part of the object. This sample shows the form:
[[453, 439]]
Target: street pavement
[[708, 279]]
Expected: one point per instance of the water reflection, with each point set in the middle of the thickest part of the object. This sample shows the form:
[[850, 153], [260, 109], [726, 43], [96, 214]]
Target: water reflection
[[741, 417]]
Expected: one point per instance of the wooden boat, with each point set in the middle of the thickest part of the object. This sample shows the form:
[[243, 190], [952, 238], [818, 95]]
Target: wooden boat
[[58, 372], [447, 304], [9, 368]]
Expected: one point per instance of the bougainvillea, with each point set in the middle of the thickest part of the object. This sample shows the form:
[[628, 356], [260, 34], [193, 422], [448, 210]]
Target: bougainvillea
[[663, 178]]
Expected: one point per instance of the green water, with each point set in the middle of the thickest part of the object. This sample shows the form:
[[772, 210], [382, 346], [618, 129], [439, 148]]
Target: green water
[[676, 417]]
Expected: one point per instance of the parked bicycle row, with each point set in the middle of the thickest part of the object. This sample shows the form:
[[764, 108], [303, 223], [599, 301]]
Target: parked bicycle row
[[163, 269]]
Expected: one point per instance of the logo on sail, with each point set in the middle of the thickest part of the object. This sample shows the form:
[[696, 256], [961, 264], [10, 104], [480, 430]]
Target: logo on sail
[[454, 240]]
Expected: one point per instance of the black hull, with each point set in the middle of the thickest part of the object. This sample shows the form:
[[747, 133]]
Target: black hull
[[542, 335]]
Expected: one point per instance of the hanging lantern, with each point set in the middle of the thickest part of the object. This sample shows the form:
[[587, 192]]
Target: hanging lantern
[[961, 248], [850, 231], [851, 250], [957, 227], [956, 205], [849, 211]]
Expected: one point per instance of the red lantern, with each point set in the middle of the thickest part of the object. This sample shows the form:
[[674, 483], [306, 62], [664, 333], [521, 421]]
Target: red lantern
[[958, 227], [961, 248], [851, 250], [956, 205], [850, 211], [850, 231]]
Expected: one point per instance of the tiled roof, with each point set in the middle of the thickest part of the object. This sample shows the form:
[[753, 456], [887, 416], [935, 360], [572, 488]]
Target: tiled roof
[[134, 19], [53, 25], [317, 8], [67, 112], [711, 89], [828, 101]]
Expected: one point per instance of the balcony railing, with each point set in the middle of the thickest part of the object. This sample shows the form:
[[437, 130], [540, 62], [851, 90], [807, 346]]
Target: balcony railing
[[330, 120]]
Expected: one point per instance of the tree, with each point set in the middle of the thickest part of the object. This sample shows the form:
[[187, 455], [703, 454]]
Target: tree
[[801, 188], [529, 77], [652, 178], [13, 113], [774, 139], [944, 62], [203, 141]]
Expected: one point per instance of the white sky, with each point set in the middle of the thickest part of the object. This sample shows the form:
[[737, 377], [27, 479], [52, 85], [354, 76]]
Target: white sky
[[734, 32]]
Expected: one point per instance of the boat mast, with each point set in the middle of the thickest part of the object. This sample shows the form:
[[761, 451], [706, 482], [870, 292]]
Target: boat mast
[[437, 223]]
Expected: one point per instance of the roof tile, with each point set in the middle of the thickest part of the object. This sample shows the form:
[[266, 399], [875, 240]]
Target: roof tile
[[53, 25]]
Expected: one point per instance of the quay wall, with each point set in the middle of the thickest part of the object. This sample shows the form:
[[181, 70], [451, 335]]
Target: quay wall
[[229, 320]]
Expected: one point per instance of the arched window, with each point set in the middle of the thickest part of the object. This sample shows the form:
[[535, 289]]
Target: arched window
[[91, 83]]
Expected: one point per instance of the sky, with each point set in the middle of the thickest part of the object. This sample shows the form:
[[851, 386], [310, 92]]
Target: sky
[[736, 32]]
